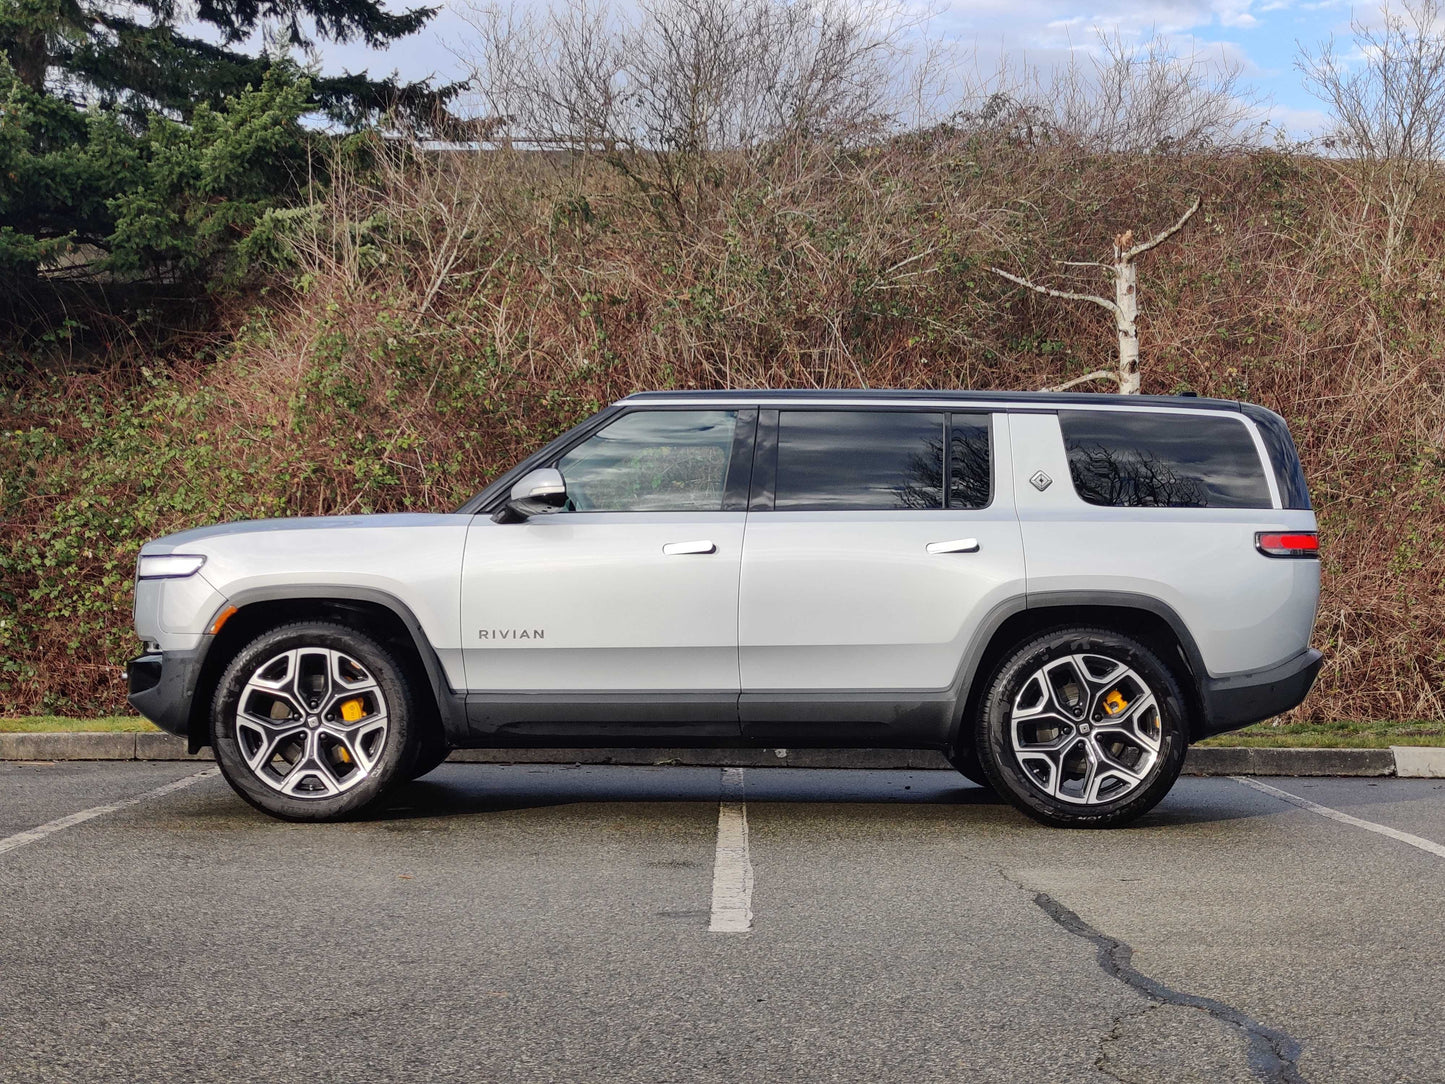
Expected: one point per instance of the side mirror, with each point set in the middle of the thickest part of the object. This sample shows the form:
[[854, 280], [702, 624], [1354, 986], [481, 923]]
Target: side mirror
[[537, 493]]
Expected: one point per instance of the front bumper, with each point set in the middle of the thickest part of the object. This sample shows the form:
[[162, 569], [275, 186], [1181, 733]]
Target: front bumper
[[1240, 699], [162, 686]]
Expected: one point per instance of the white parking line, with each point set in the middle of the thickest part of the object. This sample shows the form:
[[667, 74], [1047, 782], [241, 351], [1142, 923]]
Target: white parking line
[[1344, 818], [34, 835], [732, 870]]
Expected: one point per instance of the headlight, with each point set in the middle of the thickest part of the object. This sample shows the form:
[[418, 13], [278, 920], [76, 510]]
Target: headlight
[[168, 566]]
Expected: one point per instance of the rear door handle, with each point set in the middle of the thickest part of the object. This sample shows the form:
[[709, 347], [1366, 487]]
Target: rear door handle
[[958, 545], [702, 545]]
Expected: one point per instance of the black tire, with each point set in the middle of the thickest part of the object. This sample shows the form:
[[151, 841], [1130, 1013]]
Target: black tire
[[394, 751], [1028, 787], [965, 761]]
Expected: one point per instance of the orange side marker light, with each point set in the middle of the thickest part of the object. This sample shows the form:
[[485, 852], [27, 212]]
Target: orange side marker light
[[225, 616]]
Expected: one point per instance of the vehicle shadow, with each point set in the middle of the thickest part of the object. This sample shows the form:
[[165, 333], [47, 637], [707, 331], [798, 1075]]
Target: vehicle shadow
[[459, 789], [479, 789]]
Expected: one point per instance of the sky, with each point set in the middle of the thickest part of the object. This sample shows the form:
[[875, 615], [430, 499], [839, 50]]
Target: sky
[[1262, 35]]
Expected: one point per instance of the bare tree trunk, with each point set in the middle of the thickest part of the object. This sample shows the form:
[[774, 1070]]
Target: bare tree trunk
[[1124, 307], [1126, 314]]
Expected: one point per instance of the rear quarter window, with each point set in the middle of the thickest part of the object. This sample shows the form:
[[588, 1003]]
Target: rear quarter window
[[1139, 459]]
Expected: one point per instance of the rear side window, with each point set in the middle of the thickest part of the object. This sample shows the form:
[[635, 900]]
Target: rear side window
[[877, 460], [970, 477], [1139, 459], [860, 460]]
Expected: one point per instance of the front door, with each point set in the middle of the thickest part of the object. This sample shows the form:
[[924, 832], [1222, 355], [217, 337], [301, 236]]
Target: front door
[[620, 611]]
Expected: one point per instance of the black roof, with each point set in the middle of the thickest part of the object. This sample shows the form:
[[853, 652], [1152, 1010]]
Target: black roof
[[1031, 398]]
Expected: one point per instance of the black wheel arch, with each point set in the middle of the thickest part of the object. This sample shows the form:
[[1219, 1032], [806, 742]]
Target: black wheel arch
[[1147, 619], [378, 613]]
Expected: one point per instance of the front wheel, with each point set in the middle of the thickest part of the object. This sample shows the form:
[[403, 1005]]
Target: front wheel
[[1082, 728], [312, 721]]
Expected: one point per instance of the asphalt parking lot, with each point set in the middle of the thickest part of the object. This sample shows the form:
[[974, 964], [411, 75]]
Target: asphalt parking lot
[[543, 923]]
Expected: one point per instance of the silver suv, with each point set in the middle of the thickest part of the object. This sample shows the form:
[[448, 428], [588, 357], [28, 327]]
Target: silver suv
[[1061, 592]]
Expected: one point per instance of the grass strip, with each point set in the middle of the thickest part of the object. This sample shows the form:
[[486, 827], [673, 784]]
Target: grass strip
[[51, 724]]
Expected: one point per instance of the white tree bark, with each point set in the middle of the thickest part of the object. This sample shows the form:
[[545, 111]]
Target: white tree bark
[[1124, 307], [1126, 315]]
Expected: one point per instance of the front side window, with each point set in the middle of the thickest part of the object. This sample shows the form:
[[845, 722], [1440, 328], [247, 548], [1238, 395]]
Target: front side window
[[859, 460], [653, 461], [1139, 459]]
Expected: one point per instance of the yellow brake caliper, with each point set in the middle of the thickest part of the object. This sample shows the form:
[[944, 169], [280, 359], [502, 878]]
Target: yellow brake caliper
[[352, 711], [1114, 703]]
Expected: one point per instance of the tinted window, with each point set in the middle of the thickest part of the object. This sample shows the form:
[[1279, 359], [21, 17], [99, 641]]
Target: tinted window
[[970, 470], [1288, 474], [855, 459], [653, 461], [1158, 460]]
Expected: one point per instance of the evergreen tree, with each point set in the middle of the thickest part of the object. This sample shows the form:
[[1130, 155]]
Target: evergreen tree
[[132, 145]]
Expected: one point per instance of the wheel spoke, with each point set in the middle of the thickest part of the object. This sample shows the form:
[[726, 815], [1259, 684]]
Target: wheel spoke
[[1128, 724], [277, 675], [1091, 771], [347, 679], [269, 736]]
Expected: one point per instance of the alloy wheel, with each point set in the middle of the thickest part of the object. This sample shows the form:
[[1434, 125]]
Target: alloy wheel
[[311, 722], [1086, 728]]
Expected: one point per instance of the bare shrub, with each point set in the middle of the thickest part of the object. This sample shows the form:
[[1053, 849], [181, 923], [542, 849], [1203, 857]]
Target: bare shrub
[[687, 75], [1121, 98], [1386, 98], [665, 88], [1150, 99]]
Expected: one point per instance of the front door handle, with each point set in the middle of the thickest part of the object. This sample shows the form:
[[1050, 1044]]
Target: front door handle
[[958, 545], [672, 549]]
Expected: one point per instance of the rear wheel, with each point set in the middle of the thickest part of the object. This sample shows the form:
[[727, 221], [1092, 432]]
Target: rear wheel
[[313, 721], [1082, 728]]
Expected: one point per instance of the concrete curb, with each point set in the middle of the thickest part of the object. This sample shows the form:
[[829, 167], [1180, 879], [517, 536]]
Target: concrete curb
[[1405, 761], [1419, 762]]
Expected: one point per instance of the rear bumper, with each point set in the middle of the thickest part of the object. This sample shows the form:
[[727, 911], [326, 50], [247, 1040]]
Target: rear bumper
[[162, 686], [1240, 699]]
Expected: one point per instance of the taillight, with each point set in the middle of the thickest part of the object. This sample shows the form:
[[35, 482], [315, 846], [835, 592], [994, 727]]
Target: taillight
[[1287, 543]]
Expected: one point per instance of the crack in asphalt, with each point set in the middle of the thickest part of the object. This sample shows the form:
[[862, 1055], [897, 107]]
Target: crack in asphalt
[[1273, 1055], [1115, 1034]]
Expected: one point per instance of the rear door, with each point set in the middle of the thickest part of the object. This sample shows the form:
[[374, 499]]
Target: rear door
[[878, 542]]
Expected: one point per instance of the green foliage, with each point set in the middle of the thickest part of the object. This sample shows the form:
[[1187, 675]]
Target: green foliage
[[130, 148], [182, 196]]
